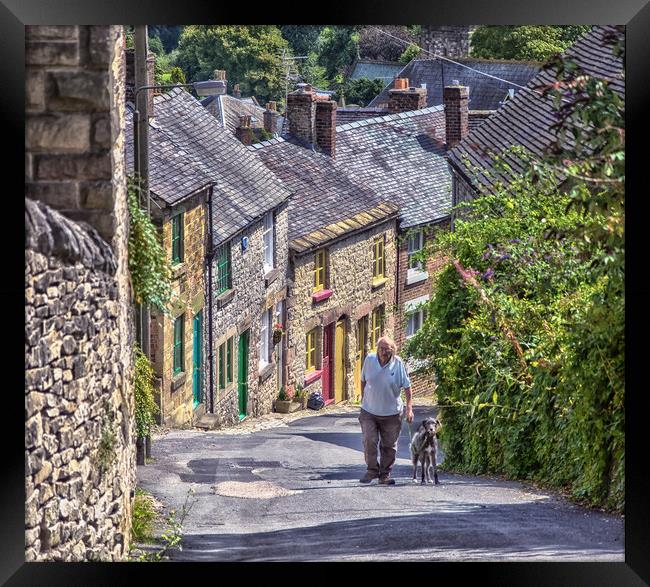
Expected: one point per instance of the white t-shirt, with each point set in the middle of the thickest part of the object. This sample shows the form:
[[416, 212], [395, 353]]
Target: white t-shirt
[[381, 395]]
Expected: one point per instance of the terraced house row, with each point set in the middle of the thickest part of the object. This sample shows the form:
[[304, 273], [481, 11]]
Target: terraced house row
[[293, 255]]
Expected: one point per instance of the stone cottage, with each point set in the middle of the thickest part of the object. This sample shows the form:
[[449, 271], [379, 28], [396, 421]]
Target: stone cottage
[[231, 239], [79, 407], [342, 249]]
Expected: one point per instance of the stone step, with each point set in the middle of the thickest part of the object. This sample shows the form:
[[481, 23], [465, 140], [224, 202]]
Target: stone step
[[208, 422]]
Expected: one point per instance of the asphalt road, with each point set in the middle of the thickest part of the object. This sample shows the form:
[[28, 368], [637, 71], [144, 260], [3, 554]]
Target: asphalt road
[[312, 507]]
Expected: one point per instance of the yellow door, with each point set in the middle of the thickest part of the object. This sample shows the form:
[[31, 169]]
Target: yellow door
[[361, 355], [339, 370]]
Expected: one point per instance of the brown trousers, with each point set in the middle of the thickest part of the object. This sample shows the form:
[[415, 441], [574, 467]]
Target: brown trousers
[[385, 431]]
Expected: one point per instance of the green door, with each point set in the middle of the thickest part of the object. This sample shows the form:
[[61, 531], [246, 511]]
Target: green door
[[196, 372], [242, 374]]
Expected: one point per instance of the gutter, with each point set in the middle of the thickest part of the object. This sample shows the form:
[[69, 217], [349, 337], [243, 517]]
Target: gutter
[[208, 257]]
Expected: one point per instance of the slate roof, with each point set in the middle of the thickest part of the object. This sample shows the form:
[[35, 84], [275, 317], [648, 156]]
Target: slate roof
[[227, 110], [374, 69], [485, 93], [344, 115], [398, 158], [527, 119], [187, 138]]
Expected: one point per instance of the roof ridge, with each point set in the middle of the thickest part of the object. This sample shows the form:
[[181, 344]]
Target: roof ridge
[[391, 117]]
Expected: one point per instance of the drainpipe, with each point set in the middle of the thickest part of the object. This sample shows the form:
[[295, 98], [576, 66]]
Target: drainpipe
[[209, 257]]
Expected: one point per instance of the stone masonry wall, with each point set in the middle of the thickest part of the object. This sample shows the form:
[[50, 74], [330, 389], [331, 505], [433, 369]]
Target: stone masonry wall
[[353, 298], [420, 384], [449, 41], [188, 287], [251, 297], [79, 430]]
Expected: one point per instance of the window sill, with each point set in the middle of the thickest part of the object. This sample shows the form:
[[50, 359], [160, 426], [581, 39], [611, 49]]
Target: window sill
[[266, 371], [271, 276], [178, 380], [312, 376], [179, 270], [416, 276], [379, 282], [224, 298], [321, 295]]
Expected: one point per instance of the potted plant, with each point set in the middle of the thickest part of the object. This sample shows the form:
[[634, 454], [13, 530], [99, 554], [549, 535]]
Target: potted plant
[[283, 402], [278, 331], [300, 397]]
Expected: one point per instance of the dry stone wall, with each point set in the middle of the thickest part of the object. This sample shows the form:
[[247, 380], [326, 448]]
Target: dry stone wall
[[79, 432]]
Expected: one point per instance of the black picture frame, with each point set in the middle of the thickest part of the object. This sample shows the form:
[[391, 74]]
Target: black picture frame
[[635, 14]]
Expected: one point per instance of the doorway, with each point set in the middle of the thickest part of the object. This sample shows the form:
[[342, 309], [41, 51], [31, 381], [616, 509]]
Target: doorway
[[196, 363], [242, 373], [339, 361]]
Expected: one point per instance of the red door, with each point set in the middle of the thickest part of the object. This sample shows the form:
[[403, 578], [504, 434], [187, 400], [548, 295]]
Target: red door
[[326, 377]]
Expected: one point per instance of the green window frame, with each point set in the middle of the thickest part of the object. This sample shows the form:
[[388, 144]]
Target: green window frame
[[378, 260], [179, 354], [224, 277], [177, 238], [229, 357], [222, 369]]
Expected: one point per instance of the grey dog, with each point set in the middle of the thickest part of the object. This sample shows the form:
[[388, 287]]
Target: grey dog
[[423, 449]]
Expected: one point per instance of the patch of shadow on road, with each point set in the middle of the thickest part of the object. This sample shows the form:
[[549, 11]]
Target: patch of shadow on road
[[473, 532], [214, 470]]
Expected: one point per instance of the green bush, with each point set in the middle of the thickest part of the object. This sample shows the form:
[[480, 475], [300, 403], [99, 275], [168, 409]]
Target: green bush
[[143, 516], [145, 405]]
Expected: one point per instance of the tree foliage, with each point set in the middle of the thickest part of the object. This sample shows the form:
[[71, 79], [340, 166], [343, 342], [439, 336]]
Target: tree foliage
[[529, 42], [145, 405], [525, 327], [374, 44], [251, 56], [337, 48], [301, 38], [360, 91]]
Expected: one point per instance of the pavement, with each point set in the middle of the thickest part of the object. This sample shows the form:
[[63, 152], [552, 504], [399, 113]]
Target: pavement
[[284, 487]]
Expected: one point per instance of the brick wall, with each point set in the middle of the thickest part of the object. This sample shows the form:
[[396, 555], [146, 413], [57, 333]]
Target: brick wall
[[421, 384], [456, 114], [79, 429], [188, 287], [404, 100], [353, 298]]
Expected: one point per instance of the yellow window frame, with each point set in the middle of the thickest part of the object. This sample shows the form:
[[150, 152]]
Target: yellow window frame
[[377, 327], [310, 351], [320, 260], [378, 259]]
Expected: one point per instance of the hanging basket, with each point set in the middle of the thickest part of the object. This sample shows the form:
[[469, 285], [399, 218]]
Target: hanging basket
[[277, 336]]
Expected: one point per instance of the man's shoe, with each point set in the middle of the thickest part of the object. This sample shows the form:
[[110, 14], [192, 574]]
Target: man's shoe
[[386, 480], [368, 477]]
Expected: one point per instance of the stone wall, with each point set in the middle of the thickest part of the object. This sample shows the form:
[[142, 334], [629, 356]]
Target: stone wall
[[188, 289], [249, 298], [449, 41], [353, 298], [79, 429], [416, 290]]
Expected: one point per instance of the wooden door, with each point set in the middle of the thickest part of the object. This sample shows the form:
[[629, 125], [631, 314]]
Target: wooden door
[[339, 362], [326, 377], [362, 333], [242, 374], [196, 363]]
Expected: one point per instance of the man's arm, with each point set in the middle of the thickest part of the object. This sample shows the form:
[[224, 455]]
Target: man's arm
[[409, 404], [363, 386]]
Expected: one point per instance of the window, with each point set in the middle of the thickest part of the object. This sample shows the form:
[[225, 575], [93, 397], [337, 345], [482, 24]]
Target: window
[[265, 338], [310, 353], [319, 270], [377, 326], [378, 260], [179, 327], [224, 281], [414, 322], [225, 363], [177, 238], [269, 238], [415, 244]]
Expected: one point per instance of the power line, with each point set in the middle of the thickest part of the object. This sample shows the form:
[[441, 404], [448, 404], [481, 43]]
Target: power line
[[457, 63]]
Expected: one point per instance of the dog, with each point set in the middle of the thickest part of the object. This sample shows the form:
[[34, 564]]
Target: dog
[[423, 449]]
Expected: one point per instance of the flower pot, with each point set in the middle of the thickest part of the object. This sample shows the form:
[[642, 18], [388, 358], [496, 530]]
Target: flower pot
[[283, 406], [277, 336], [302, 401]]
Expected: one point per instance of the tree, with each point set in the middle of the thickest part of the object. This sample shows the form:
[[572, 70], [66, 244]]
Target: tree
[[530, 42], [337, 48], [374, 44], [251, 56], [167, 34], [301, 38], [360, 91], [525, 327]]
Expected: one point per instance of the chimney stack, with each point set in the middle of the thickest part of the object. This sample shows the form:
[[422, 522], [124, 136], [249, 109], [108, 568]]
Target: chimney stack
[[271, 118], [312, 119], [244, 132], [236, 92], [404, 98], [456, 114]]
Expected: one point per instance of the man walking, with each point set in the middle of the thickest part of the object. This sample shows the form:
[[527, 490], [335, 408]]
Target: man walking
[[382, 377]]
